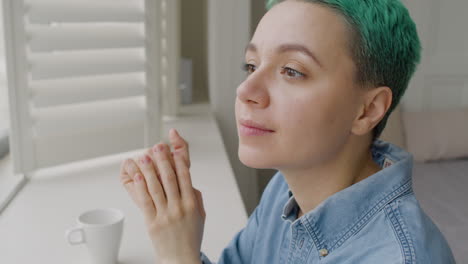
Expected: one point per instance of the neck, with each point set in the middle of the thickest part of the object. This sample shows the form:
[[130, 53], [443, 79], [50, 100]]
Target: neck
[[312, 185]]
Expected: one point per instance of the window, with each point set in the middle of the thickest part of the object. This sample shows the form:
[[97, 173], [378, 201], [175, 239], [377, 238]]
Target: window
[[79, 71]]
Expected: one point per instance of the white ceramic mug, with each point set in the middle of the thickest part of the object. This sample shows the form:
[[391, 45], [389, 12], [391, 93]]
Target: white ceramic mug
[[101, 231]]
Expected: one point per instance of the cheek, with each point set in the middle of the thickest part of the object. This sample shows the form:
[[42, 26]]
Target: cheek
[[237, 108], [314, 127], [308, 117]]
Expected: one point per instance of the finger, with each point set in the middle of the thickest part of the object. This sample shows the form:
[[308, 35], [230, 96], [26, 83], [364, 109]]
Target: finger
[[155, 188], [145, 201], [127, 181], [199, 196], [172, 161], [168, 175], [124, 177], [180, 144], [130, 169], [183, 177], [149, 152], [127, 174]]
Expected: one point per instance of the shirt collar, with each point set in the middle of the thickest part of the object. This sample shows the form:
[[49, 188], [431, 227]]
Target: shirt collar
[[344, 212]]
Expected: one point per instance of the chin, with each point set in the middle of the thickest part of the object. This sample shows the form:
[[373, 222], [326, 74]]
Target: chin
[[254, 158]]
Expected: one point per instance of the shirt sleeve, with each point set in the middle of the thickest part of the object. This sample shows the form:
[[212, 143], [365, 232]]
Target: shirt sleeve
[[239, 249]]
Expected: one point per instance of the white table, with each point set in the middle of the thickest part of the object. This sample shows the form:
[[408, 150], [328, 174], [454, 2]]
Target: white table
[[32, 228]]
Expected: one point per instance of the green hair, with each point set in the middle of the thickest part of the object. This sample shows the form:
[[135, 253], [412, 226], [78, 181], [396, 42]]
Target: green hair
[[384, 44]]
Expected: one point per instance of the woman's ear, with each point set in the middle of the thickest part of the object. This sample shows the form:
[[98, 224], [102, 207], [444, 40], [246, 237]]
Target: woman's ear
[[376, 103]]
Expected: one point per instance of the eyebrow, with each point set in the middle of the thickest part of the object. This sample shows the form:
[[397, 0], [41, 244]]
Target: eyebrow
[[289, 48]]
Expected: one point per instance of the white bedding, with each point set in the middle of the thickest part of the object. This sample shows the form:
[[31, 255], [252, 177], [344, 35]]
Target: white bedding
[[442, 189]]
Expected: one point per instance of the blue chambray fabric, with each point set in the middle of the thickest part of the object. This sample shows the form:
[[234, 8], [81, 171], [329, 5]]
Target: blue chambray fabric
[[377, 220]]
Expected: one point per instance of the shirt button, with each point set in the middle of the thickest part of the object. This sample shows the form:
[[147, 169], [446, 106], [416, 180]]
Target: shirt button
[[323, 252], [301, 243]]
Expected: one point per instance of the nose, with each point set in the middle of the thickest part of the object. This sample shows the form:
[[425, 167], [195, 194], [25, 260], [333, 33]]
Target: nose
[[253, 91]]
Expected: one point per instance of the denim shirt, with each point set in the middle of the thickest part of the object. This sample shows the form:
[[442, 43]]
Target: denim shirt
[[376, 220]]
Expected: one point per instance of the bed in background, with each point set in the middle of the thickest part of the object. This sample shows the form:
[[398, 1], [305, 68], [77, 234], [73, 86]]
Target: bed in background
[[442, 190], [438, 141]]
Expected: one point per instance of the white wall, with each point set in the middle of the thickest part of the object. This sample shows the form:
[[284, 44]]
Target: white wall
[[228, 34], [4, 118], [441, 80], [194, 46]]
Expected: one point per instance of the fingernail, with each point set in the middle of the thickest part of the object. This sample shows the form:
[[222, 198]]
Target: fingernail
[[155, 149], [145, 159]]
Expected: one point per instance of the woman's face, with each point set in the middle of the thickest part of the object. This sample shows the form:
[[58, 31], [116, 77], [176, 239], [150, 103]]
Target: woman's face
[[299, 85]]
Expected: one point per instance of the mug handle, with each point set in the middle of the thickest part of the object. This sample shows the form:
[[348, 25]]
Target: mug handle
[[69, 233]]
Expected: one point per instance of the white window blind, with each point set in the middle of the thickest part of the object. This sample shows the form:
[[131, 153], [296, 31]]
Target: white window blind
[[88, 78]]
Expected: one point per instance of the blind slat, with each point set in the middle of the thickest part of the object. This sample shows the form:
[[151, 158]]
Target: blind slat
[[75, 90], [57, 150], [81, 118], [82, 63], [85, 36], [48, 11]]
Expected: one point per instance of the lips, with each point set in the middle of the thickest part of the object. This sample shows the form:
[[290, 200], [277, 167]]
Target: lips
[[253, 124]]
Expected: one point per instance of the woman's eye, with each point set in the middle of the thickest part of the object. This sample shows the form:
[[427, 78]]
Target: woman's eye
[[248, 68], [292, 73]]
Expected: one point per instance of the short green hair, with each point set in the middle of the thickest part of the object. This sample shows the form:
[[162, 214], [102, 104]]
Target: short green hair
[[384, 44]]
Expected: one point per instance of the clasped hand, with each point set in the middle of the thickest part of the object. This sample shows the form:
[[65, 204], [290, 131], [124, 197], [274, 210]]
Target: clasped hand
[[160, 184]]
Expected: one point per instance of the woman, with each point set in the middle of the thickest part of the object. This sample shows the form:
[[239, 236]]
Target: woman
[[323, 77]]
